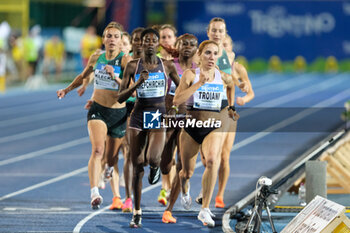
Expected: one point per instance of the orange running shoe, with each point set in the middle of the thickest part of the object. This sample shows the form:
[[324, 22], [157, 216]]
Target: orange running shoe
[[219, 202], [116, 204], [168, 217], [127, 207]]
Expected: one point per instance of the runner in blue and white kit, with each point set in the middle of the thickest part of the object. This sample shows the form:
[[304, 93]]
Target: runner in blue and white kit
[[203, 89]]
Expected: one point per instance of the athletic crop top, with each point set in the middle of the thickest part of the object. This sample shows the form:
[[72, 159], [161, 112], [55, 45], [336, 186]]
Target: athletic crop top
[[224, 65], [171, 84], [102, 79], [154, 88], [208, 96]]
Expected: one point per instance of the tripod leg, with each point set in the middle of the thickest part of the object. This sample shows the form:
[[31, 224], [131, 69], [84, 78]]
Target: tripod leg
[[270, 218], [247, 228], [258, 218]]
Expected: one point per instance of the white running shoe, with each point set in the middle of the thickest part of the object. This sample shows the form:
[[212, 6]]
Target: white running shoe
[[186, 199], [96, 201], [205, 216]]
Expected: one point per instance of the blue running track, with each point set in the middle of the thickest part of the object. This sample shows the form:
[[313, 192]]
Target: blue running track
[[44, 151]]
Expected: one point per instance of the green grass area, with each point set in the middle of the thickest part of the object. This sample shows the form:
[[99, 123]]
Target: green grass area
[[275, 64]]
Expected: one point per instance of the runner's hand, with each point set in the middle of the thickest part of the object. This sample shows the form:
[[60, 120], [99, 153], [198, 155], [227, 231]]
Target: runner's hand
[[61, 93], [240, 101], [88, 104], [244, 87], [110, 70], [81, 90], [143, 76], [233, 114]]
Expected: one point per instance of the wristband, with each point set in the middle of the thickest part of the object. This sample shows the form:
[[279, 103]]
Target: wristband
[[233, 108], [176, 108]]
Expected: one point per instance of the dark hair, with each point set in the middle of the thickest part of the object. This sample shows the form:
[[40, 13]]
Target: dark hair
[[174, 52], [137, 30], [148, 31], [186, 35]]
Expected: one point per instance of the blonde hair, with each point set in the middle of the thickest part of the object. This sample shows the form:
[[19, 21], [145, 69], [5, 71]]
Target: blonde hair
[[171, 27], [113, 24], [205, 43]]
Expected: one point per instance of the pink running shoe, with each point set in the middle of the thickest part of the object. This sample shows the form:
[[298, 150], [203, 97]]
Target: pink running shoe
[[127, 207]]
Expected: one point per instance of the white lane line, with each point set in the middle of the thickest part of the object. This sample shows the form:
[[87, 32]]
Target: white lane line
[[50, 181], [45, 151], [245, 142], [32, 105], [42, 116], [90, 216], [281, 86], [294, 95], [35, 209], [305, 91], [44, 130], [315, 108]]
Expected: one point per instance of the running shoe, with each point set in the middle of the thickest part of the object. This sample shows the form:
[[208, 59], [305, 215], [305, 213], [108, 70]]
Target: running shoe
[[199, 198], [162, 198], [127, 207], [186, 199], [154, 175], [205, 216], [168, 217], [108, 173], [136, 221], [219, 202], [117, 204], [96, 201]]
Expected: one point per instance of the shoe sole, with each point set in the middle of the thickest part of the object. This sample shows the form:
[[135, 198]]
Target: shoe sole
[[199, 200], [168, 221], [96, 203], [204, 223], [163, 201], [219, 206], [135, 226], [127, 210], [115, 208]]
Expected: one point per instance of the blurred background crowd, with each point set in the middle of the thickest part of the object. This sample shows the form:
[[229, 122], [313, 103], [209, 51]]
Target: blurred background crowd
[[51, 39]]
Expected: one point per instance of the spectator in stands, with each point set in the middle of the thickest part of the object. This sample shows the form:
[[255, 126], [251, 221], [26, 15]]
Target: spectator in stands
[[89, 43], [54, 54]]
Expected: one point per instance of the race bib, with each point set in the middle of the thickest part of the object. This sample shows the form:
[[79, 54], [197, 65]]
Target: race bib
[[103, 80], [208, 97], [153, 87]]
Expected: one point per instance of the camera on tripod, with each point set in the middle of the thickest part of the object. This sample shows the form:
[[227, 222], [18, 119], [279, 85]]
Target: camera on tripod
[[254, 222], [264, 181]]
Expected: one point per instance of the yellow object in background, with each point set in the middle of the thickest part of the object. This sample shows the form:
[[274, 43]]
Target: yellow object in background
[[331, 64], [243, 61], [2, 72], [2, 84], [275, 64], [300, 64]]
